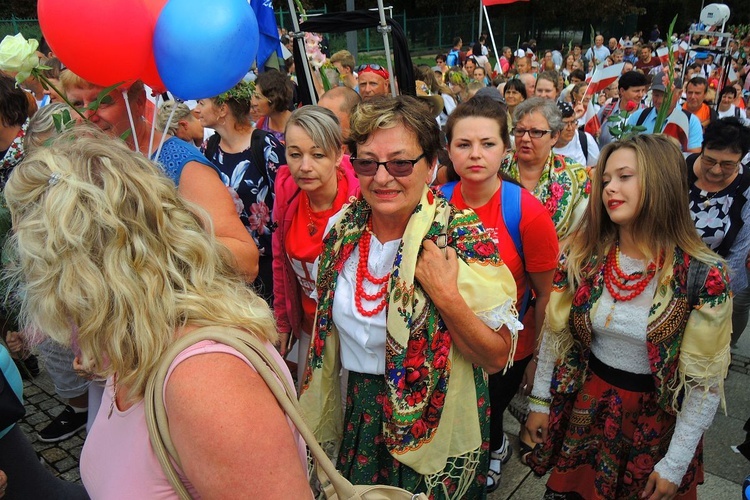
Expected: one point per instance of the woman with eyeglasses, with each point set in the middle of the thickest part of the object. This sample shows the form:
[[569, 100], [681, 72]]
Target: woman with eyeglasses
[[416, 304], [561, 185], [311, 188], [247, 160], [521, 227], [635, 346], [719, 192]]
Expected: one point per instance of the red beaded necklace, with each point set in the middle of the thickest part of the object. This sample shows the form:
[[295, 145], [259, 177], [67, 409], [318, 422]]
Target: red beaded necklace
[[364, 273], [615, 278]]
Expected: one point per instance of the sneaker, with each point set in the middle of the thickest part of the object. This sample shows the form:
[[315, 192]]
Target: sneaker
[[65, 425]]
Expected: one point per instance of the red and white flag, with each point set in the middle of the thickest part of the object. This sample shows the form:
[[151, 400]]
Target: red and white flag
[[603, 77], [683, 47], [678, 126], [663, 54], [591, 121], [487, 3]]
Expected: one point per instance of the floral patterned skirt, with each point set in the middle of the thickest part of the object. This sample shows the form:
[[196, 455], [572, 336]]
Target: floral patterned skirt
[[604, 442], [364, 457]]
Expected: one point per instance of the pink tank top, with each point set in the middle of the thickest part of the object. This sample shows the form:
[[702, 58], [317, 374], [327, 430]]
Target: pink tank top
[[117, 461]]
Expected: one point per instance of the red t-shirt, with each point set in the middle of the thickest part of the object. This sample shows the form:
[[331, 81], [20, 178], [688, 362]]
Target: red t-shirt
[[538, 238], [303, 248]]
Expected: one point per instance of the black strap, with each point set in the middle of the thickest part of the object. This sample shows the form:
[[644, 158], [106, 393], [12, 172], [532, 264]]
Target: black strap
[[584, 144], [256, 149], [696, 278], [212, 146], [736, 112], [644, 114]]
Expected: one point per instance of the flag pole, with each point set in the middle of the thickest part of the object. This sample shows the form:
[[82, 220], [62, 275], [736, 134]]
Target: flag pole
[[298, 38], [480, 20], [384, 28], [492, 39]]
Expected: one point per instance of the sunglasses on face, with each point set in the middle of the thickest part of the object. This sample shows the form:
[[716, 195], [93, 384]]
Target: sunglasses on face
[[397, 168]]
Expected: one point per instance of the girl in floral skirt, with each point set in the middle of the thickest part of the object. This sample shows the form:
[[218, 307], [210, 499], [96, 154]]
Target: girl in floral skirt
[[633, 357]]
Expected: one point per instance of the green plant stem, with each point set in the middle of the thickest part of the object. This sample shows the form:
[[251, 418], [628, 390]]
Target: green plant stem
[[663, 113], [62, 95]]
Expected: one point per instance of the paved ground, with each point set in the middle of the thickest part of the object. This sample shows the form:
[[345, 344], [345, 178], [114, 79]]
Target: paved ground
[[725, 469]]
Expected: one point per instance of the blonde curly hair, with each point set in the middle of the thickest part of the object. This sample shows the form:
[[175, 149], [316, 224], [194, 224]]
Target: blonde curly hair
[[107, 255]]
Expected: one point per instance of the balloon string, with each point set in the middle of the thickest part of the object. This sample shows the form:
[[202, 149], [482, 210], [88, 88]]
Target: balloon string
[[153, 126], [166, 128], [130, 117]]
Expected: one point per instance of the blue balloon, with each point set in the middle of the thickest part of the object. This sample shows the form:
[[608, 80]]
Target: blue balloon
[[203, 49]]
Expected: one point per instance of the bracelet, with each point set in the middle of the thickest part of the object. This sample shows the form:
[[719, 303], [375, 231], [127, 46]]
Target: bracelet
[[540, 401]]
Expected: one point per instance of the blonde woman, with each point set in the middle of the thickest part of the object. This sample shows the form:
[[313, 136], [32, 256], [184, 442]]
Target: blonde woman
[[632, 362], [112, 261]]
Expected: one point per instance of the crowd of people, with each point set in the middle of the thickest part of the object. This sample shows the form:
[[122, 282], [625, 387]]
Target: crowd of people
[[414, 265]]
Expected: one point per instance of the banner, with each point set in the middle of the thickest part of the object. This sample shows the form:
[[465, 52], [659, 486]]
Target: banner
[[268, 42]]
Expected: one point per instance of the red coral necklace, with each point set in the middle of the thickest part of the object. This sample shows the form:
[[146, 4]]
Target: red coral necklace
[[364, 274], [615, 278]]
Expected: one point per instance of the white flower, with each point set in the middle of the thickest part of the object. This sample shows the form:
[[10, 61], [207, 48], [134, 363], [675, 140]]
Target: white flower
[[18, 55]]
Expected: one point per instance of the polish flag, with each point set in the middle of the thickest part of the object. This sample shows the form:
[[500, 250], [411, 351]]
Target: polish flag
[[663, 54], [678, 126], [591, 121], [683, 47], [487, 3], [603, 77]]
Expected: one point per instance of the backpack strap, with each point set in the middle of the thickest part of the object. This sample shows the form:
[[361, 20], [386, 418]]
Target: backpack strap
[[510, 211], [696, 278], [644, 114], [212, 146], [584, 144], [447, 189], [736, 112], [257, 140]]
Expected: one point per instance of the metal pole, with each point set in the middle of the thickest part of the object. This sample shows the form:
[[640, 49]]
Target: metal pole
[[300, 41], [385, 29], [481, 5], [492, 38], [351, 36]]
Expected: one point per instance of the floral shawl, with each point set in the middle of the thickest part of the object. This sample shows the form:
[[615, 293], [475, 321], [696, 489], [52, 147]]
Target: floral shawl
[[563, 189], [13, 156], [686, 349], [433, 393]]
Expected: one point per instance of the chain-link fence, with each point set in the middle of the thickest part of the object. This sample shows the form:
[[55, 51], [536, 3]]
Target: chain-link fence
[[28, 27]]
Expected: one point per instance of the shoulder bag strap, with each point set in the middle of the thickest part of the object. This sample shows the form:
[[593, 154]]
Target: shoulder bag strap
[[255, 352], [584, 144], [644, 114]]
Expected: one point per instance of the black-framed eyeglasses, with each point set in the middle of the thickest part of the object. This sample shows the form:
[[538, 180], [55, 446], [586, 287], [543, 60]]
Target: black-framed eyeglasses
[[397, 168], [727, 166], [376, 67], [534, 133]]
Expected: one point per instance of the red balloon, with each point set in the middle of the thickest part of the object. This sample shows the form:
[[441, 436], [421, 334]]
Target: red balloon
[[102, 41], [150, 75]]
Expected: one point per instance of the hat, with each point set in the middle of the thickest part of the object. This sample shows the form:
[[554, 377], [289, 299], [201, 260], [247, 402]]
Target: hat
[[701, 55], [491, 92], [436, 69], [657, 83], [433, 100], [704, 42], [627, 44]]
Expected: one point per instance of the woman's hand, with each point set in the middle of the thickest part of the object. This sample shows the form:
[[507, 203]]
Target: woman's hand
[[527, 382], [537, 425], [437, 272], [658, 488], [286, 341], [15, 343], [3, 483]]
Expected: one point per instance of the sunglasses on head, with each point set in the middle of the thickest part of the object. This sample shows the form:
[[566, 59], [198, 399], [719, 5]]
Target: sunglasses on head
[[376, 67], [397, 168]]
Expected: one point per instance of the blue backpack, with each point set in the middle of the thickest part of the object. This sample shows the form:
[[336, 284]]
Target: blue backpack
[[510, 211]]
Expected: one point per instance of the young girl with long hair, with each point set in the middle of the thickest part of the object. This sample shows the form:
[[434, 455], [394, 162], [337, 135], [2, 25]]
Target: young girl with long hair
[[633, 353]]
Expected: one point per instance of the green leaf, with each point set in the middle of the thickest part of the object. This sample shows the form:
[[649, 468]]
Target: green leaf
[[103, 97], [623, 114], [639, 128], [124, 136], [616, 131], [57, 119]]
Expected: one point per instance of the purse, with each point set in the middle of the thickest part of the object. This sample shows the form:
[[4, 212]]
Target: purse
[[333, 485], [11, 408]]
